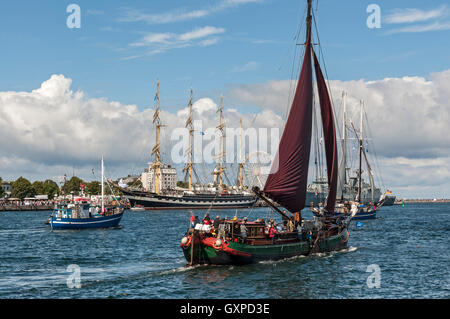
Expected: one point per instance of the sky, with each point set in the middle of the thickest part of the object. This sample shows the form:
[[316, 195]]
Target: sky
[[68, 95]]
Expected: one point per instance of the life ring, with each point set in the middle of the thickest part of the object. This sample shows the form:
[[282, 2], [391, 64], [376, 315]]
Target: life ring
[[189, 241], [186, 241]]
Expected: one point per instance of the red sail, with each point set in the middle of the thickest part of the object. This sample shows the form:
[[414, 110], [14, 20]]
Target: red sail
[[329, 134], [288, 179]]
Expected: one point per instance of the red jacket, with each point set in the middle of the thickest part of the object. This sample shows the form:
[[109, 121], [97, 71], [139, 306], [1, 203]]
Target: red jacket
[[272, 232]]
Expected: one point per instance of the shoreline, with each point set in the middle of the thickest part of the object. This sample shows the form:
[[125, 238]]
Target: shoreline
[[400, 201], [10, 208]]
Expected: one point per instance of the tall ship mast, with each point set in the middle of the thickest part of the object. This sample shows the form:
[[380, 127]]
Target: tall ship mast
[[157, 164], [163, 194], [240, 159], [189, 152], [219, 172]]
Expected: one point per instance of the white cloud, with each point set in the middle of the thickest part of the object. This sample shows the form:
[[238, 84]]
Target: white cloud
[[162, 42], [402, 16], [408, 121], [208, 42], [200, 33], [134, 15], [435, 26], [54, 130], [415, 15], [408, 115], [249, 66]]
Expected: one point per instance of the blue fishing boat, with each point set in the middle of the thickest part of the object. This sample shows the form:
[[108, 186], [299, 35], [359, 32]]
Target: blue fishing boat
[[80, 214]]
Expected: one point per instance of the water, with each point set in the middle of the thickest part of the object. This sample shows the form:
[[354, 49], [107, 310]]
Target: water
[[142, 259]]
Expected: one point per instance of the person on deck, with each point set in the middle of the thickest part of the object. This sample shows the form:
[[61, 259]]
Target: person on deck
[[196, 221], [300, 231], [244, 230], [297, 219], [206, 219], [309, 236], [290, 225], [221, 234], [272, 233], [216, 222]]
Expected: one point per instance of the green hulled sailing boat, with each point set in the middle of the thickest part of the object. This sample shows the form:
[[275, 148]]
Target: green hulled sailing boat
[[241, 241]]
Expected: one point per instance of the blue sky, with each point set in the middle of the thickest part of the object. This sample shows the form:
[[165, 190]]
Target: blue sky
[[254, 44], [244, 49]]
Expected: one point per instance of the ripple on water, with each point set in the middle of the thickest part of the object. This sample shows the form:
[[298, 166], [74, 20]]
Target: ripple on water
[[143, 260]]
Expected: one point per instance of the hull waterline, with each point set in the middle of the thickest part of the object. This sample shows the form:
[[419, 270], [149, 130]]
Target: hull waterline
[[85, 223]]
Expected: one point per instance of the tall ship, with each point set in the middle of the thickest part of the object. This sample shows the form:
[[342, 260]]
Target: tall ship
[[243, 241], [159, 180], [352, 185]]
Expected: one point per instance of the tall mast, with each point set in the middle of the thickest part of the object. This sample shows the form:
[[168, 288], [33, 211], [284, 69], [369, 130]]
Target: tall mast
[[157, 164], [309, 22], [190, 126], [103, 187], [342, 168], [221, 128], [241, 162], [360, 149], [287, 182]]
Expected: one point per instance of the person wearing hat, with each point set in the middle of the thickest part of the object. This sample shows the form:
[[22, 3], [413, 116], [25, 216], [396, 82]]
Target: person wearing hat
[[206, 219]]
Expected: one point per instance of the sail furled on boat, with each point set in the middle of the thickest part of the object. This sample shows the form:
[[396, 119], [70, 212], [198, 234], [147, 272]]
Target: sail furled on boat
[[329, 133], [287, 181]]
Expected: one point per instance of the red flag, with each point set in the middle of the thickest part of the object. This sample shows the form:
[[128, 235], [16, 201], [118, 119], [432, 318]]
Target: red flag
[[192, 217]]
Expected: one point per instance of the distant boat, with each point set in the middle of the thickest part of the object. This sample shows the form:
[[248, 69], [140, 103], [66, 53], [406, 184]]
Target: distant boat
[[356, 202], [80, 214], [389, 198], [137, 208], [241, 241]]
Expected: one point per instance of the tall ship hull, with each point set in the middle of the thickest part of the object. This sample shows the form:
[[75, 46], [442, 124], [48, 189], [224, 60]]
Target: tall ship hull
[[389, 200], [152, 201]]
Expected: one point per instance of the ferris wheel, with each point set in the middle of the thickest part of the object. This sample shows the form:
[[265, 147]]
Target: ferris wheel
[[257, 168]]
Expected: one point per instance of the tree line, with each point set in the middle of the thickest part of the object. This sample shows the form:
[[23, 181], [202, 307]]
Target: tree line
[[22, 188]]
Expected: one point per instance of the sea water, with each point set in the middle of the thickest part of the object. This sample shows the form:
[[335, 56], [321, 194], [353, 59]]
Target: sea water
[[404, 253]]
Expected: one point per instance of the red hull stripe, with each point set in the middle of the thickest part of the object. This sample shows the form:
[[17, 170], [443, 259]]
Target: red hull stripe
[[211, 242]]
